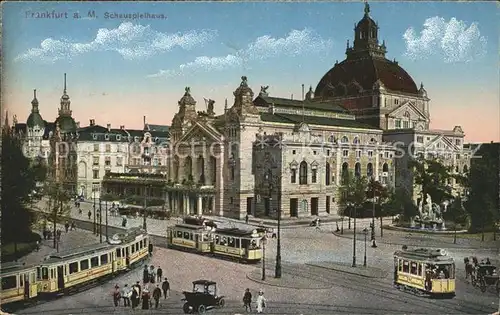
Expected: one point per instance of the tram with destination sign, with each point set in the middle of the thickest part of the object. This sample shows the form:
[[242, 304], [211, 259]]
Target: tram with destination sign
[[425, 272]]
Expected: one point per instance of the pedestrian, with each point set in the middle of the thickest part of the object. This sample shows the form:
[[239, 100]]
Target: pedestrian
[[136, 294], [247, 300], [59, 232], [116, 295], [145, 275], [246, 219], [126, 295], [152, 275], [157, 295], [45, 234], [261, 302], [66, 226], [165, 286], [159, 274], [37, 246], [488, 262], [274, 233], [150, 248], [73, 225], [317, 223], [89, 214], [145, 299], [124, 222]]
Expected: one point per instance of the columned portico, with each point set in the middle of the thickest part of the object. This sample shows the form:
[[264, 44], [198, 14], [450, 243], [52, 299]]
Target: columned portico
[[189, 201]]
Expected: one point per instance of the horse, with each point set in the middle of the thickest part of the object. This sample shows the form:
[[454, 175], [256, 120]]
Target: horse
[[469, 267]]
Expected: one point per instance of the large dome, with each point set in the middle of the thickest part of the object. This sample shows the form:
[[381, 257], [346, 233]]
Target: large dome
[[66, 123], [346, 78], [35, 119]]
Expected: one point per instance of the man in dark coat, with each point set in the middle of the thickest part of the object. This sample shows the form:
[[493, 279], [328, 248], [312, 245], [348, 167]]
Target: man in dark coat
[[145, 299], [159, 274], [247, 300], [157, 295], [165, 286], [150, 248], [145, 274]]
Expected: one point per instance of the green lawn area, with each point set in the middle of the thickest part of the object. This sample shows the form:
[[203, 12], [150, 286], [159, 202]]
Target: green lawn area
[[23, 248]]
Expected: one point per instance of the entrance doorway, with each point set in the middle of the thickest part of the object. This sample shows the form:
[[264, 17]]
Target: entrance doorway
[[314, 206], [60, 277], [267, 206], [249, 205], [294, 207], [328, 204]]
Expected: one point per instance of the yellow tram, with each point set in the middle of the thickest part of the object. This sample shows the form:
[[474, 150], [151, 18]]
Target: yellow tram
[[425, 271], [18, 282], [67, 270], [237, 243], [189, 237]]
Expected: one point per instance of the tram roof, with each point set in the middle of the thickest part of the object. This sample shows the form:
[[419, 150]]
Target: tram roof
[[14, 267], [190, 226], [234, 232], [77, 252], [435, 255]]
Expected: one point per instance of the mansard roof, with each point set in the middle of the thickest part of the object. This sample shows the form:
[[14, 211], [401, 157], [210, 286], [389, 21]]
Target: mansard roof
[[100, 134], [160, 128], [330, 106], [314, 120]]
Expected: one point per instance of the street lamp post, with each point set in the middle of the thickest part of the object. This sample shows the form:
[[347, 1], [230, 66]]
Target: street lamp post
[[106, 201], [100, 220], [374, 243], [144, 224], [264, 240], [93, 197], [277, 269], [365, 230], [354, 241]]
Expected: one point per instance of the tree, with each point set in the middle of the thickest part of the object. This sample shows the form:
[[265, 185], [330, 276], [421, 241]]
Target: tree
[[39, 167], [18, 182], [379, 192], [434, 178], [400, 202], [58, 204], [353, 191]]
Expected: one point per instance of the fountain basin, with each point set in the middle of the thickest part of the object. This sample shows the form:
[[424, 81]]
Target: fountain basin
[[418, 229]]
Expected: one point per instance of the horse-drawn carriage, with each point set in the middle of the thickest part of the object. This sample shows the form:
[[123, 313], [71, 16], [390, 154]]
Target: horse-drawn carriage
[[202, 298], [482, 274]]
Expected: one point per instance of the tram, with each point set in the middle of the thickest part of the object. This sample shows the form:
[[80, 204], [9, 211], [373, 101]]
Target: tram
[[425, 272], [203, 237], [62, 272]]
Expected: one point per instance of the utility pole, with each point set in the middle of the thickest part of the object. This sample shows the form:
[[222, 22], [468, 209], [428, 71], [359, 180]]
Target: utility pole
[[144, 225], [106, 220], [100, 220], [354, 241], [93, 197], [277, 271]]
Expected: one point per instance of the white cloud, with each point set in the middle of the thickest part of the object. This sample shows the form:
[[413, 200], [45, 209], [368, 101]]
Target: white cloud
[[453, 40], [297, 42], [131, 41]]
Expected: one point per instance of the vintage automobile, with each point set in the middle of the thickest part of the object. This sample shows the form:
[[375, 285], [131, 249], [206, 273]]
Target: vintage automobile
[[202, 298], [484, 276]]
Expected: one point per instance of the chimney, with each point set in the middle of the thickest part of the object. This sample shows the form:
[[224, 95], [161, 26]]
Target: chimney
[[291, 97], [92, 122], [122, 127], [77, 124], [302, 91], [144, 121], [109, 127]]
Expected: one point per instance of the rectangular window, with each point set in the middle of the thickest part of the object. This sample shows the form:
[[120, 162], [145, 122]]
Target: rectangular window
[[406, 266], [458, 142], [345, 153], [107, 161], [179, 234], [420, 139], [9, 282], [186, 235], [108, 147], [95, 174], [73, 267], [293, 176], [420, 269], [118, 253], [370, 153], [358, 154], [94, 262], [84, 264], [396, 101], [457, 156], [96, 147], [397, 124], [314, 175], [45, 273], [413, 268], [95, 160]]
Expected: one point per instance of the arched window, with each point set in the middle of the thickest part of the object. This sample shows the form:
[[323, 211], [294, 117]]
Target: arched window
[[303, 173], [357, 170], [356, 140], [200, 168], [373, 141], [188, 168], [331, 138], [345, 139], [385, 168], [213, 169], [406, 120], [457, 169], [327, 174], [369, 170], [466, 169], [345, 172], [175, 167]]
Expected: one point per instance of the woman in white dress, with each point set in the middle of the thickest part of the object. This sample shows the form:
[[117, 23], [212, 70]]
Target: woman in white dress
[[261, 302]]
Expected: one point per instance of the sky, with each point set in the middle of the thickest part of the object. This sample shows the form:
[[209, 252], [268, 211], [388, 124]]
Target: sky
[[128, 60]]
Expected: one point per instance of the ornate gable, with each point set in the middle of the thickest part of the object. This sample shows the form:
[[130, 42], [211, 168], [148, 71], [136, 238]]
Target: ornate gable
[[407, 107], [440, 143], [201, 132]]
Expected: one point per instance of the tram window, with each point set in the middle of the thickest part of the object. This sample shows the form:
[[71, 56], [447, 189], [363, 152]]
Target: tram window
[[237, 243], [400, 265], [413, 268], [9, 282], [118, 252], [136, 247], [84, 264], [224, 241], [230, 241], [245, 243], [217, 239], [38, 272], [205, 237], [52, 274], [406, 266], [191, 236], [104, 259], [45, 273], [21, 280], [94, 262], [73, 267], [179, 234], [420, 269], [444, 272], [32, 280], [185, 236]]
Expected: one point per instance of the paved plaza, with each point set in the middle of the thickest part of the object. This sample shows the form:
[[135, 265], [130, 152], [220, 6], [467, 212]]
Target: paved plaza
[[317, 277]]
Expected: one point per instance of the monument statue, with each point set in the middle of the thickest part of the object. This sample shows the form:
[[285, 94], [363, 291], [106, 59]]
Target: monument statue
[[210, 107], [244, 82], [263, 90]]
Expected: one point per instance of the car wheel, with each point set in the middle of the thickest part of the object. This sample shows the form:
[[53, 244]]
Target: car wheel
[[221, 303], [202, 309], [186, 308]]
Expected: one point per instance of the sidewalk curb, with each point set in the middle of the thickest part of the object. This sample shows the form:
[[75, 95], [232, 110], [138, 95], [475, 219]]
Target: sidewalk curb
[[454, 246], [326, 287], [348, 272]]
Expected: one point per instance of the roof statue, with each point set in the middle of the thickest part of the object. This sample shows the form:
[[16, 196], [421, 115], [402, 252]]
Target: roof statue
[[263, 90], [210, 107], [367, 8], [188, 90], [244, 82]]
